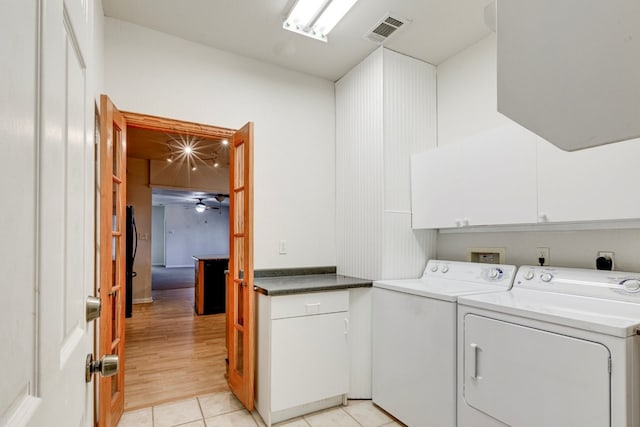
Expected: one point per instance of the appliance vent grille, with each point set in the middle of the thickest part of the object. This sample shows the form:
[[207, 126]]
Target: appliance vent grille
[[385, 27]]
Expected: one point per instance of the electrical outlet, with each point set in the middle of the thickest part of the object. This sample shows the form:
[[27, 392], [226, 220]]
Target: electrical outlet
[[607, 254], [543, 253]]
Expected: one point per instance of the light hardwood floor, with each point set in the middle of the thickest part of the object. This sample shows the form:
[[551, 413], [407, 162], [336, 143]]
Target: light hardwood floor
[[171, 353]]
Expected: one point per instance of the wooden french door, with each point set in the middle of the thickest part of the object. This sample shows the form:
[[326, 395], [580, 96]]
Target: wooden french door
[[112, 181], [240, 295]]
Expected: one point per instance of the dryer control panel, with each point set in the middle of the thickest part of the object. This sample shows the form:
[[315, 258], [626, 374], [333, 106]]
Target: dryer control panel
[[617, 285]]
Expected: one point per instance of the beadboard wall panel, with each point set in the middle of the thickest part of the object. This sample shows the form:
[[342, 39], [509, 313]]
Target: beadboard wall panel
[[406, 251], [385, 111], [359, 169], [409, 123]]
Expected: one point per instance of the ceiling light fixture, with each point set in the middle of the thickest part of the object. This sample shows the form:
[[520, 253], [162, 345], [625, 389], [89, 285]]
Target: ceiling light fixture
[[200, 207], [188, 150], [193, 168], [316, 18], [225, 142]]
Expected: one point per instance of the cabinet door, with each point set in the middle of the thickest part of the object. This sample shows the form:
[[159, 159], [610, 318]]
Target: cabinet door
[[436, 180], [487, 179], [589, 185], [498, 169], [310, 359]]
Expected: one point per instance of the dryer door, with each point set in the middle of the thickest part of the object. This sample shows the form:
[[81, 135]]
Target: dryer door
[[528, 377]]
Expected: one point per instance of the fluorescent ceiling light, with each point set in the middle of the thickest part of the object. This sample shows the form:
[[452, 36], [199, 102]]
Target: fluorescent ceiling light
[[316, 18]]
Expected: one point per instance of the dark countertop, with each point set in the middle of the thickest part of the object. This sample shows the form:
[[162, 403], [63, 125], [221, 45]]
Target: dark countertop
[[209, 257], [286, 285]]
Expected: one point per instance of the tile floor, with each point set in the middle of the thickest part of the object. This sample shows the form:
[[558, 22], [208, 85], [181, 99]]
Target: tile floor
[[224, 410]]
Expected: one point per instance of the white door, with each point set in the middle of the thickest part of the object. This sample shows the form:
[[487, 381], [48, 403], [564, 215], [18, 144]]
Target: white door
[[47, 223], [529, 378]]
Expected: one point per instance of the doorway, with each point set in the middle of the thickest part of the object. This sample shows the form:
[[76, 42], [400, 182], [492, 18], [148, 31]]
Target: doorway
[[172, 353], [184, 224]]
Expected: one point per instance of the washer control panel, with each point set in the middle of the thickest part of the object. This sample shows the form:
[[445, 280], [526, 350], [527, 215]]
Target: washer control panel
[[498, 274], [495, 273]]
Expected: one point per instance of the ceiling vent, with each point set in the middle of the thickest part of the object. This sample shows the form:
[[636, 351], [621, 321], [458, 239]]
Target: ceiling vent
[[385, 28]]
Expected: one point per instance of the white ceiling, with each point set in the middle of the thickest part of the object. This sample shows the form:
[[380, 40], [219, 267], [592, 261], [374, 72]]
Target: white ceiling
[[253, 28]]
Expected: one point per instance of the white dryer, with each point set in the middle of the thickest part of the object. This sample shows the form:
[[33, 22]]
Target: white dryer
[[414, 338], [561, 348]]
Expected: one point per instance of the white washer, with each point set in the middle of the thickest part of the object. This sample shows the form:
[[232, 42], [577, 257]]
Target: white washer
[[414, 338], [561, 348]]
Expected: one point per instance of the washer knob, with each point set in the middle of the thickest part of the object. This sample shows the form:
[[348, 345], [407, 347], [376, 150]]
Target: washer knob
[[631, 285], [495, 273], [445, 268], [434, 267], [546, 277], [529, 275]]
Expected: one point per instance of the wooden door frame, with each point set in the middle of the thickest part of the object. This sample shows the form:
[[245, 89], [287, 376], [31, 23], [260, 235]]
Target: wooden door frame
[[163, 124]]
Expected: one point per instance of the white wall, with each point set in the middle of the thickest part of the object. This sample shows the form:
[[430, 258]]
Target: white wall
[[467, 106], [467, 102], [385, 111], [191, 233], [567, 248], [157, 235], [294, 115], [98, 50]]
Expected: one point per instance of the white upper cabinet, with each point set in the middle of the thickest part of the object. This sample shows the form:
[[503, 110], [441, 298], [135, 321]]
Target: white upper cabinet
[[484, 180], [598, 184], [435, 180], [511, 176], [570, 70]]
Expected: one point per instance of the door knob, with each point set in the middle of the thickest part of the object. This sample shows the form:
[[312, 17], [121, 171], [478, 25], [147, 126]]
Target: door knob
[[93, 308], [107, 366]]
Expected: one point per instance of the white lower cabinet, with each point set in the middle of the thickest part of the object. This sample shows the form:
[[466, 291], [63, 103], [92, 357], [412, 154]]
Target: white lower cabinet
[[302, 353]]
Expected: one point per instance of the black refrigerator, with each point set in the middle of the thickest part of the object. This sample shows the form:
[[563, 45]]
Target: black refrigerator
[[131, 234]]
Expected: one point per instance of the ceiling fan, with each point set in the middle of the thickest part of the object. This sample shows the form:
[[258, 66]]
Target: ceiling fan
[[201, 206]]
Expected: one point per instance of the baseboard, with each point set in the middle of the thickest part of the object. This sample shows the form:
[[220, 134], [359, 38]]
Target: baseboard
[[142, 300], [179, 266]]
